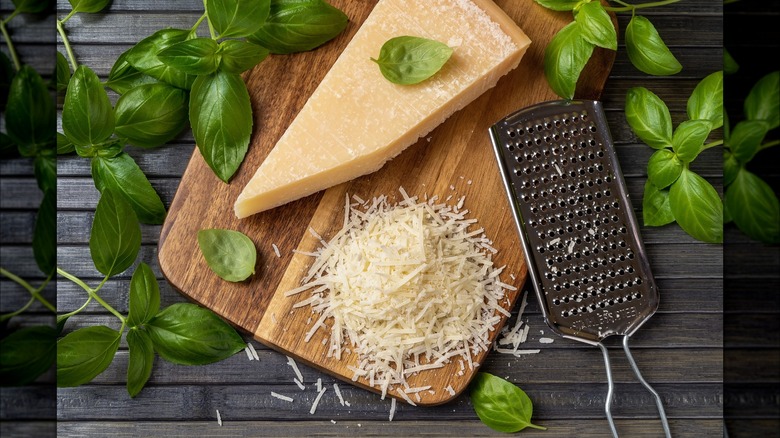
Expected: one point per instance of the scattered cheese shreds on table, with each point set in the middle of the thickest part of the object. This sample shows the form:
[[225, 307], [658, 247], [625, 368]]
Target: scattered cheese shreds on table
[[219, 418], [409, 287], [281, 397]]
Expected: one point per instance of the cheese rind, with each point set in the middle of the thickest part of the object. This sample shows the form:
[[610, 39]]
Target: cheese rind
[[356, 120]]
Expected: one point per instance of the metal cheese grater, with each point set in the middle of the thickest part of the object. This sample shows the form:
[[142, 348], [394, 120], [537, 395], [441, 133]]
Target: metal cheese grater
[[581, 240]]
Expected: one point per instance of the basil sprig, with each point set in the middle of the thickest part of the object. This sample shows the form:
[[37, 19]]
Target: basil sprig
[[408, 60], [572, 47], [673, 192], [501, 405]]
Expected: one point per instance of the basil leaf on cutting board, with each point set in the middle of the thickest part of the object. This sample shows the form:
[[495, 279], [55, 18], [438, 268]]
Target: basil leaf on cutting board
[[501, 405], [649, 117], [239, 56], [115, 238], [221, 119], [237, 18], [87, 114], [151, 115], [144, 300], [647, 51], [85, 353], [655, 206], [27, 353], [688, 139], [122, 174], [564, 58], [706, 101], [299, 25], [596, 25], [230, 254], [197, 56], [409, 60], [141, 360], [186, 334], [754, 207], [696, 207]]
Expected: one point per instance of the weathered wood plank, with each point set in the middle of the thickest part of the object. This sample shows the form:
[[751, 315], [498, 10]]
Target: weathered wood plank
[[16, 227], [15, 296], [26, 429], [20, 193], [32, 402]]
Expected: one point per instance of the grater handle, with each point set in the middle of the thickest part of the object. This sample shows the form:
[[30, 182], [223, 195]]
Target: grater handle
[[611, 389]]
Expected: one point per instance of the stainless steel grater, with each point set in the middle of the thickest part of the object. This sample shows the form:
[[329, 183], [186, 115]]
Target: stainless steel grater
[[585, 257]]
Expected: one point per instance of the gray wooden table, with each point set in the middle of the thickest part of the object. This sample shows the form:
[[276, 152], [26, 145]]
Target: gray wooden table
[[680, 349]]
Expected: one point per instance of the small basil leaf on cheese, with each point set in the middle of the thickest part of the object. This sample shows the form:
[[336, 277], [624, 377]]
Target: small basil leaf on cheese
[[408, 60], [647, 51], [197, 56], [230, 254], [299, 25], [239, 56], [151, 115]]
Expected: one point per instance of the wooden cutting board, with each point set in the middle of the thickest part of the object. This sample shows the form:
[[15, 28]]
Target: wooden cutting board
[[455, 159]]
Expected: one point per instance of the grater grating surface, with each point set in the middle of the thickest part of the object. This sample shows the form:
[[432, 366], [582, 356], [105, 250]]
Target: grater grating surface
[[581, 239]]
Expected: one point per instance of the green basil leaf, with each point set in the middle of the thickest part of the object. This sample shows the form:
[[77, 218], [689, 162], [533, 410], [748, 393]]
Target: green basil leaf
[[85, 353], [559, 5], [697, 207], [663, 168], [501, 405], [726, 215], [221, 119], [107, 149], [143, 57], [62, 72], [87, 116], [31, 6], [649, 118], [730, 167], [745, 139], [139, 366], [689, 137], [237, 18], [45, 169], [564, 59], [144, 296], [90, 6], [726, 126], [655, 206], [230, 254], [61, 320], [763, 101], [26, 354], [754, 207], [408, 60], [124, 77], [239, 56], [123, 175], [115, 238], [647, 51], [197, 56], [31, 119], [151, 115], [299, 25], [190, 335], [730, 65], [8, 148], [45, 233], [706, 101], [596, 25]]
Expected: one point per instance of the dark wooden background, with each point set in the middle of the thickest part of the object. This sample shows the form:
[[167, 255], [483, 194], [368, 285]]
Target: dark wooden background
[[680, 349]]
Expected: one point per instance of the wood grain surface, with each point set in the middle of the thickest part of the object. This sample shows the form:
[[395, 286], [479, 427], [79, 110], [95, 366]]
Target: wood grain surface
[[456, 160]]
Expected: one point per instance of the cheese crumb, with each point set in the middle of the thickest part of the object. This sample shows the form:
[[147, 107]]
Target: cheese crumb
[[276, 250], [281, 397], [253, 351], [298, 374], [546, 340], [317, 401], [219, 418]]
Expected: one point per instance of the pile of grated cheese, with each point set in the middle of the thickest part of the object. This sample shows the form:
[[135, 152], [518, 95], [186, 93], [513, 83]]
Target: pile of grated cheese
[[408, 286]]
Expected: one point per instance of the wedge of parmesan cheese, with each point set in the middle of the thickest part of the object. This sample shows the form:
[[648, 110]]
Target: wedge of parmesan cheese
[[356, 120]]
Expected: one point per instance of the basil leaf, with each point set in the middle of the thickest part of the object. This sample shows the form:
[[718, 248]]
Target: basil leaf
[[408, 60], [559, 5], [151, 115], [90, 6], [45, 233], [501, 405], [87, 116], [144, 296], [763, 101], [85, 353], [197, 56], [647, 51], [107, 149], [123, 175], [221, 119], [663, 168], [237, 18], [230, 254], [144, 58], [190, 335], [299, 25], [139, 366], [115, 238], [124, 77], [730, 65], [649, 118], [564, 59], [31, 6], [697, 207], [64, 146], [31, 119], [45, 169], [706, 101], [655, 206], [730, 167], [239, 56], [26, 354], [689, 137], [596, 25], [746, 138], [61, 320], [62, 72], [754, 207]]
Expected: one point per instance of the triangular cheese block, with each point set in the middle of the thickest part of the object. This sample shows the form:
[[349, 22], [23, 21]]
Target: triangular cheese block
[[356, 120]]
